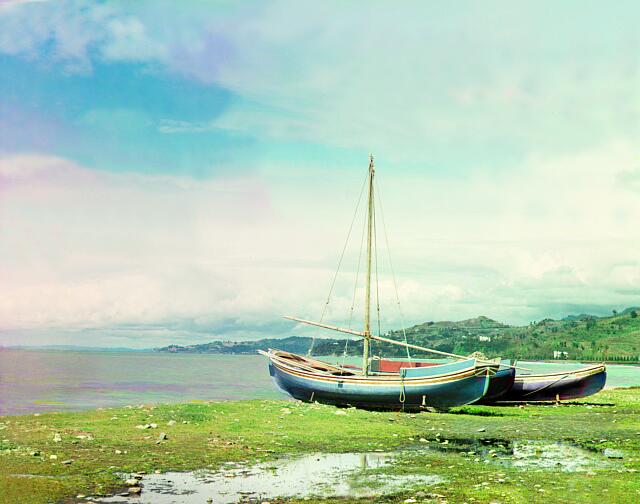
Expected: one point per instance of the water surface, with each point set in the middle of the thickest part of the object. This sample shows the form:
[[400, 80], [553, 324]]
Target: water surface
[[55, 380]]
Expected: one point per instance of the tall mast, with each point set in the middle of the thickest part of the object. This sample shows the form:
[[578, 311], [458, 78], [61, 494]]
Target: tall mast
[[367, 300]]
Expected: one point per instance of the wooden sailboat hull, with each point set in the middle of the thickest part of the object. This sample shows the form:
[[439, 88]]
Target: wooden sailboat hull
[[499, 385], [462, 385], [557, 386]]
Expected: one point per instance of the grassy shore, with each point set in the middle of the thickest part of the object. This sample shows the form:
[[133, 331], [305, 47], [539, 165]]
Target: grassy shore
[[90, 449]]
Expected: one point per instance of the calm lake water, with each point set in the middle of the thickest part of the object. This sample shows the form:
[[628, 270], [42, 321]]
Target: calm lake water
[[53, 380]]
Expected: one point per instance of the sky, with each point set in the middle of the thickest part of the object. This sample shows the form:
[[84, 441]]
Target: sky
[[184, 172]]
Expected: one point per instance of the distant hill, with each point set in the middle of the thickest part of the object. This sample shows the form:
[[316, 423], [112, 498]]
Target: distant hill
[[296, 344], [582, 337]]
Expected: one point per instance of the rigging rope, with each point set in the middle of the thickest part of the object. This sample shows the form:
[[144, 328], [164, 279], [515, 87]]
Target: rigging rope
[[355, 289], [335, 276], [393, 274], [375, 256]]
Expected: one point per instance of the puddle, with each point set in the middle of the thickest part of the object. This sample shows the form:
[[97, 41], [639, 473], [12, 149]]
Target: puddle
[[356, 475], [558, 456], [529, 455], [322, 475]]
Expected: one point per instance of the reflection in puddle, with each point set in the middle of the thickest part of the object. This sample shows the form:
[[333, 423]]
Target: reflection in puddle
[[559, 456], [326, 475]]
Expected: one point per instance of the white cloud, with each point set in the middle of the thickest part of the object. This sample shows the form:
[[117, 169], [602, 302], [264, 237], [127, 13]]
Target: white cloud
[[127, 40], [415, 82], [170, 126], [521, 199], [227, 257]]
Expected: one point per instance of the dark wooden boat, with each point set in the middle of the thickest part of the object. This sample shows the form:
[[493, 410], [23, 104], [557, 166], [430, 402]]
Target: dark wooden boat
[[560, 386], [500, 383], [407, 387]]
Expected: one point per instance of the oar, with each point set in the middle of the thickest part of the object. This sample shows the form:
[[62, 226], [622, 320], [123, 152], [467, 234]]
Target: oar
[[393, 342]]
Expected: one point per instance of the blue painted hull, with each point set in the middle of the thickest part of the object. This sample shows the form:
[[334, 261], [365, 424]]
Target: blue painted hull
[[441, 391]]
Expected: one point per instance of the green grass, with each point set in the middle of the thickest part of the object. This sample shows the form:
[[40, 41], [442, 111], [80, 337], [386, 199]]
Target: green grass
[[207, 434]]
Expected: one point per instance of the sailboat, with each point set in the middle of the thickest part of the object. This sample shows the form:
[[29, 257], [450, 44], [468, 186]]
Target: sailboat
[[441, 386]]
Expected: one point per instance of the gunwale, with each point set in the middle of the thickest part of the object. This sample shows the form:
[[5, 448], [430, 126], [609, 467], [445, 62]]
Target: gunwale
[[376, 380], [576, 373]]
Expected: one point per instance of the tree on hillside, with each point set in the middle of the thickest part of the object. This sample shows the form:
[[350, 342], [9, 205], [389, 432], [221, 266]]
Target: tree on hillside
[[591, 323], [633, 314], [615, 313]]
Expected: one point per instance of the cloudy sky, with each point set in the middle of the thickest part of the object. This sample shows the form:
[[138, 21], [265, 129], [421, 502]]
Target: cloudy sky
[[174, 172]]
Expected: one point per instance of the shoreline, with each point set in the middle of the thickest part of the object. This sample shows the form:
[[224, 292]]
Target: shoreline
[[92, 449], [106, 350]]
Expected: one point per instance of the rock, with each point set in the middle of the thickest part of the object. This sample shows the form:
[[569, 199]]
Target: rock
[[135, 490], [171, 423], [423, 440], [53, 457], [340, 412], [410, 500], [161, 437], [34, 453], [118, 452], [80, 496], [153, 425], [482, 430], [124, 494], [131, 482], [66, 462], [57, 438], [613, 454]]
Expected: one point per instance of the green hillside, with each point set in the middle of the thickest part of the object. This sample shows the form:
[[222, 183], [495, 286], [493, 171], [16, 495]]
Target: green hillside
[[582, 337]]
